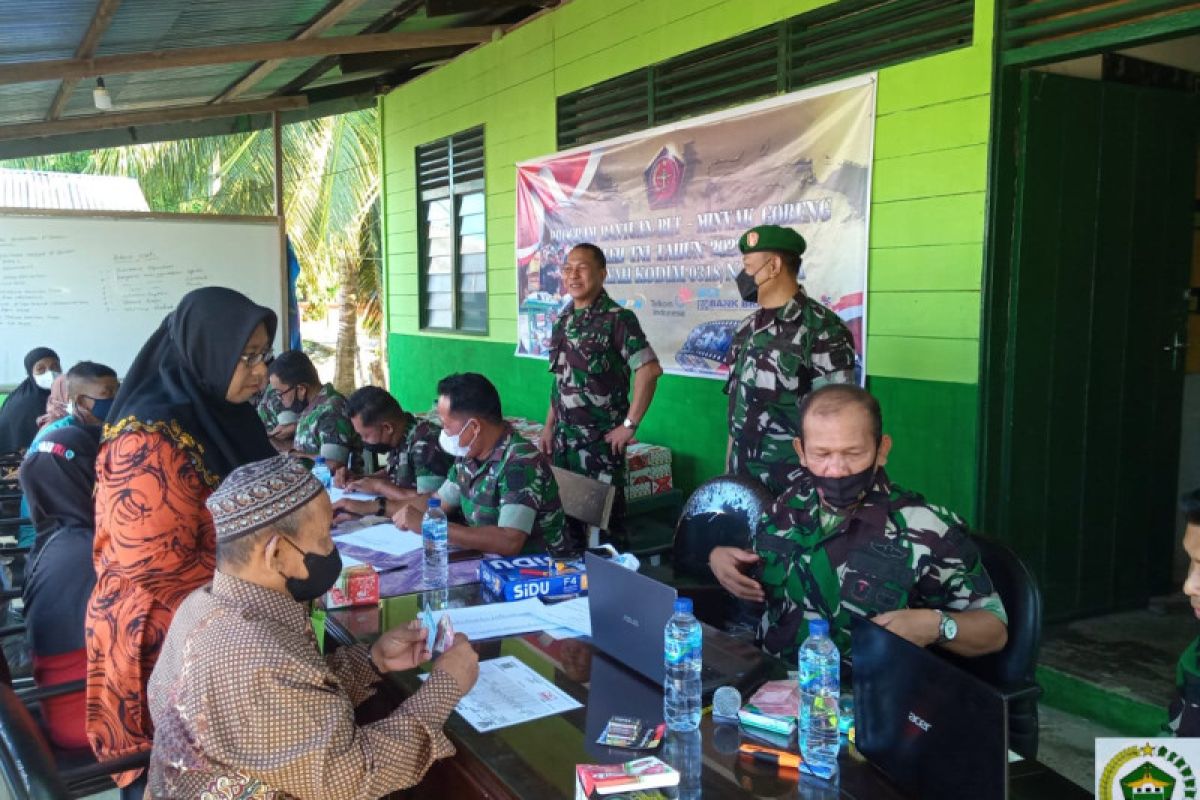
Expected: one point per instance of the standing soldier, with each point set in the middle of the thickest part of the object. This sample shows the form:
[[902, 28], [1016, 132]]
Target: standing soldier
[[593, 348], [780, 353]]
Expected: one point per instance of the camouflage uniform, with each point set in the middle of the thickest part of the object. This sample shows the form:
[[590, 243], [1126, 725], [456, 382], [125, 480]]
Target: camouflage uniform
[[1184, 711], [593, 351], [268, 405], [325, 429], [419, 462], [777, 357], [513, 488], [894, 551]]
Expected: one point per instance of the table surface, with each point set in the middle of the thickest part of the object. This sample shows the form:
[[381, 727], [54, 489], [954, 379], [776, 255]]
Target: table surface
[[536, 759]]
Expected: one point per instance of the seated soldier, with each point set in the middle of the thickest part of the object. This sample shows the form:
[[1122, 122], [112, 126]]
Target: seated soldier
[[91, 388], [502, 483], [1184, 712], [845, 541], [322, 427], [416, 463], [243, 702]]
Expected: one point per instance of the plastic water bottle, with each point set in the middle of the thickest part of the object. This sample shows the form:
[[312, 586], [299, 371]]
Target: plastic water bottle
[[436, 537], [820, 690], [321, 472], [682, 658], [685, 752]]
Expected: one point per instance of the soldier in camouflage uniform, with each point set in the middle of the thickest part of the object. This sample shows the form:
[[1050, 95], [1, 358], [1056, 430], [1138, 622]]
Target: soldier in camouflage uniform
[[845, 541], [323, 428], [594, 347], [1184, 712], [501, 482], [416, 464], [780, 353], [268, 406]]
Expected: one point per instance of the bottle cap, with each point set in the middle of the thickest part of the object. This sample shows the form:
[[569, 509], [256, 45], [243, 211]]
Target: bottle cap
[[818, 627], [320, 460], [435, 502], [683, 605]]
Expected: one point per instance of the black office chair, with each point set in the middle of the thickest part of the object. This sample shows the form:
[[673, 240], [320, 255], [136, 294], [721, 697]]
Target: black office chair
[[1013, 670], [27, 767], [723, 511]]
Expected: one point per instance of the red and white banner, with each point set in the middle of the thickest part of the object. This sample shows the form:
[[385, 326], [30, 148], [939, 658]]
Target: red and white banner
[[668, 205]]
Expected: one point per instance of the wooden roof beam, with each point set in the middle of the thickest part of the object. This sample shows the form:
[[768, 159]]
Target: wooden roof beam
[[105, 10], [30, 71], [96, 122], [331, 17]]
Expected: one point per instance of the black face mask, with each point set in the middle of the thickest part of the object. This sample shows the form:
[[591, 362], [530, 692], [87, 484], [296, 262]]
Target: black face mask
[[845, 491], [297, 405], [746, 286], [323, 572], [378, 448]]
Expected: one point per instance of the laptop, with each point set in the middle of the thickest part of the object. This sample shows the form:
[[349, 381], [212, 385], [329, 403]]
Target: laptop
[[629, 612], [935, 730]]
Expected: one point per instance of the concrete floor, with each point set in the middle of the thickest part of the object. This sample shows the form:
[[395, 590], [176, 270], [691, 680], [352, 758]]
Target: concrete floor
[[1067, 745]]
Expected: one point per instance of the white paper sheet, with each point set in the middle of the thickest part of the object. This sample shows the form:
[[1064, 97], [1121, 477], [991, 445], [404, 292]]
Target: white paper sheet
[[336, 494], [383, 538], [508, 693], [574, 614], [494, 620]]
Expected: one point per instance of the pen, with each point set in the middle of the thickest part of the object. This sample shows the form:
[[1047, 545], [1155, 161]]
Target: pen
[[537, 573]]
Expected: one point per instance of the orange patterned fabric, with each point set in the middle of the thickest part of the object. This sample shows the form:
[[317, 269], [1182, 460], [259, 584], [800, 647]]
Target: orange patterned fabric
[[154, 544]]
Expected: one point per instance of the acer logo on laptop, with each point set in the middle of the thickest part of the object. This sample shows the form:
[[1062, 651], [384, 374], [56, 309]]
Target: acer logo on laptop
[[631, 620], [920, 723]]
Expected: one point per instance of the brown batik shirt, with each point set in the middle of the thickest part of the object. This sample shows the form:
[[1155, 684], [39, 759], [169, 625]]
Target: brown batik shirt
[[245, 706]]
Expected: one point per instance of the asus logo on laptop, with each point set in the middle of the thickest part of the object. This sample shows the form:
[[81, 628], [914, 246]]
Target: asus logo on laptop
[[920, 723], [631, 620]]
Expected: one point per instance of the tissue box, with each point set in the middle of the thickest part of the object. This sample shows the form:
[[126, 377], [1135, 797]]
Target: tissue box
[[640, 455], [522, 577], [356, 586]]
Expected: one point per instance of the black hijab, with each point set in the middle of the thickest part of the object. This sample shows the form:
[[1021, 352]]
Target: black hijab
[[18, 415], [58, 477], [182, 374]]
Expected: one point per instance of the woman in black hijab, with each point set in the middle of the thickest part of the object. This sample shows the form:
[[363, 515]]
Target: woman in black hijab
[[18, 415], [179, 424], [57, 477]]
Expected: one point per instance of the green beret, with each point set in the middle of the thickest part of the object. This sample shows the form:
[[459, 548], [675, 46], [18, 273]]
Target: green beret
[[772, 237]]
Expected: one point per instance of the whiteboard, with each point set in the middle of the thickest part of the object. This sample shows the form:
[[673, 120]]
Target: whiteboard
[[95, 286]]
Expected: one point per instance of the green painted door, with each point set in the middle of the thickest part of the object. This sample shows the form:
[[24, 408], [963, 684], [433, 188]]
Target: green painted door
[[1093, 382]]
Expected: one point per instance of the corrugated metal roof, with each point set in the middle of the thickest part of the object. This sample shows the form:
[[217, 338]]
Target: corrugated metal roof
[[22, 188], [42, 30]]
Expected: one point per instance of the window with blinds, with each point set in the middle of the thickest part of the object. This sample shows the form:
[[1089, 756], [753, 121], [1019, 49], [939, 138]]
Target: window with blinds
[[453, 242], [844, 38]]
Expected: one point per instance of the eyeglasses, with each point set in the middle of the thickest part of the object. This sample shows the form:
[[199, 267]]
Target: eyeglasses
[[254, 359], [576, 270]]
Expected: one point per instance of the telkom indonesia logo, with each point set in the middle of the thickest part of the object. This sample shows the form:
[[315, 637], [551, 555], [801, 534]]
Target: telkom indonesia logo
[[1146, 769]]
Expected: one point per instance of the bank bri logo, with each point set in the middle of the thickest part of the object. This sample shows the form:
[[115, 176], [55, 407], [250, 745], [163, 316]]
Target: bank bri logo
[[1146, 769]]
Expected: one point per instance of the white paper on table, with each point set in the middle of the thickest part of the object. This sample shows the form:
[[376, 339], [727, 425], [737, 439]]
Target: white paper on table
[[560, 633], [336, 494], [508, 693], [383, 538], [574, 614], [494, 620]]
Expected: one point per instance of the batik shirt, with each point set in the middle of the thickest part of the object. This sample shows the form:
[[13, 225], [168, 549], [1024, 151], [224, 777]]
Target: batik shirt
[[513, 487], [325, 429], [419, 462], [1184, 711], [892, 551], [593, 351], [245, 706], [777, 357]]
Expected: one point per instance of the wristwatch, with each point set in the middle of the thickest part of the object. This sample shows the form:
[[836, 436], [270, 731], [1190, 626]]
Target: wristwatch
[[628, 423], [382, 505], [947, 628]]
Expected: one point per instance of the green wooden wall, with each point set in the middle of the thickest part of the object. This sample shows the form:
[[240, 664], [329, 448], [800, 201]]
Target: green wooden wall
[[927, 223]]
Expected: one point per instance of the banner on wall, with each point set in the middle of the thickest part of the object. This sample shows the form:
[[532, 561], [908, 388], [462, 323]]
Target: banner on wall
[[668, 205]]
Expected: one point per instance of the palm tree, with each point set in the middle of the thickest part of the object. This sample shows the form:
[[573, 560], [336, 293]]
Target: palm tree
[[331, 206]]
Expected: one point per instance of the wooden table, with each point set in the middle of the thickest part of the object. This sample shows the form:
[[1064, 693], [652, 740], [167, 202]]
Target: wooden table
[[536, 760]]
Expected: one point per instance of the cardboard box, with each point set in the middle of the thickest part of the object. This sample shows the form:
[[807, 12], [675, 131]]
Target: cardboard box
[[356, 586], [534, 575]]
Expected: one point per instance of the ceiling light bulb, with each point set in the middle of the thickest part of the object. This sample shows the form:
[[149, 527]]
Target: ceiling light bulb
[[101, 97]]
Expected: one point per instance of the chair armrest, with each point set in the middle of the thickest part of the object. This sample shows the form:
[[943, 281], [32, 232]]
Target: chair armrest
[[102, 768], [11, 630], [37, 695], [1030, 691]]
